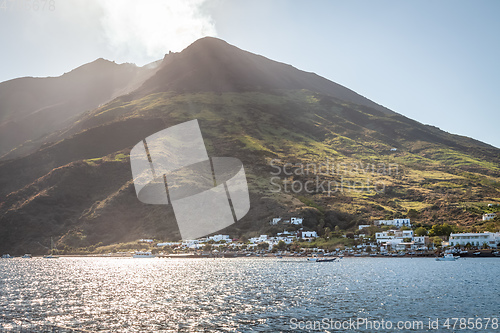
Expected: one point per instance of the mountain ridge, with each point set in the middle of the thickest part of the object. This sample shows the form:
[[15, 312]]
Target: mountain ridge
[[211, 64], [31, 108]]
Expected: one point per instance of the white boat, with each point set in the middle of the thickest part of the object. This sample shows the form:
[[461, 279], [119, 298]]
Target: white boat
[[447, 257], [27, 256], [316, 259], [6, 256], [143, 254]]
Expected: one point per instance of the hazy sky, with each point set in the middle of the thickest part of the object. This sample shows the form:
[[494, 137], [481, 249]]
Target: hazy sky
[[434, 61]]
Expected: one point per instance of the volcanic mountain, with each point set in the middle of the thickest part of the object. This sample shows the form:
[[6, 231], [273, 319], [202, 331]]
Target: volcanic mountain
[[75, 183]]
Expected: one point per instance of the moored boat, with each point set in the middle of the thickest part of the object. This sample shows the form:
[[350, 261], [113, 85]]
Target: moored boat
[[325, 259], [143, 254], [447, 257]]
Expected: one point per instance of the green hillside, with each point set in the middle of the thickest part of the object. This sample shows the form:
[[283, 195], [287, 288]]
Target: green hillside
[[442, 182], [321, 152]]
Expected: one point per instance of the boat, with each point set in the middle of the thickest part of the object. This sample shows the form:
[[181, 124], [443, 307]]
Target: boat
[[143, 254], [316, 259], [325, 259], [27, 256], [52, 249], [6, 256], [476, 253], [447, 257]]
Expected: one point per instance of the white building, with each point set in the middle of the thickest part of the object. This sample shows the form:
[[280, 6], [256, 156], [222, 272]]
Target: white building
[[257, 240], [296, 220], [401, 239], [168, 244], [218, 238], [475, 239], [146, 240], [362, 226], [395, 222], [307, 234], [190, 242], [489, 216], [286, 233], [275, 221], [385, 236]]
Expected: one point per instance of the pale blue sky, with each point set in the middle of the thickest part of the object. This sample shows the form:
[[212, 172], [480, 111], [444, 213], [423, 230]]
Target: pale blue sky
[[433, 61]]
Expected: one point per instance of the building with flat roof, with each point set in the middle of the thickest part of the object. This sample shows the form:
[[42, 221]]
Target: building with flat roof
[[395, 222], [475, 239]]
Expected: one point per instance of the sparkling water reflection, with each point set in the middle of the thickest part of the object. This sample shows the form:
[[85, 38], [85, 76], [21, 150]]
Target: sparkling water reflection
[[149, 295]]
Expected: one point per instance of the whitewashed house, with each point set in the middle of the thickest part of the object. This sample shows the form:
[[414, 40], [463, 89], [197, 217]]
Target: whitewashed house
[[168, 244], [218, 238], [296, 220], [275, 221], [489, 216], [362, 226], [286, 233], [399, 239], [307, 234], [475, 239], [395, 222], [260, 239]]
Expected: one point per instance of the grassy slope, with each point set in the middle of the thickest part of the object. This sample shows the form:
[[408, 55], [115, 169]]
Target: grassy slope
[[444, 177]]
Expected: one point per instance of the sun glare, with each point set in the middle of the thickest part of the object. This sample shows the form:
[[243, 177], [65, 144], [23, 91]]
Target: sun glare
[[153, 28]]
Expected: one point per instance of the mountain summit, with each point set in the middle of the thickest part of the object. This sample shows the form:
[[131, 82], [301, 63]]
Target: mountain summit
[[211, 64]]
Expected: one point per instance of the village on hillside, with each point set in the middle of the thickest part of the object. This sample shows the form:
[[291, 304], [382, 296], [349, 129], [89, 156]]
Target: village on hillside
[[395, 237]]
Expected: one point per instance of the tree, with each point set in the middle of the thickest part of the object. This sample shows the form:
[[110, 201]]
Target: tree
[[327, 233], [440, 230], [421, 231], [437, 240], [281, 245], [263, 246], [412, 214]]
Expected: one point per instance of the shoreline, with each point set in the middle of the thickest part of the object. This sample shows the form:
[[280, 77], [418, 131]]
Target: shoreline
[[230, 256]]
